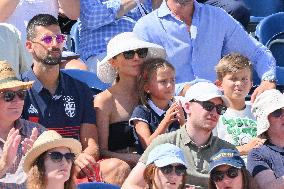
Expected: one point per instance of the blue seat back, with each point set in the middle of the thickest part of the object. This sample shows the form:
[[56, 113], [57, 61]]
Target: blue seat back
[[270, 26], [97, 185], [87, 77], [74, 34], [262, 8]]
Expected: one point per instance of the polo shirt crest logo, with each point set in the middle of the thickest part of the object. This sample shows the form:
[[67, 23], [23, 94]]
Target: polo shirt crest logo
[[70, 106], [32, 110]]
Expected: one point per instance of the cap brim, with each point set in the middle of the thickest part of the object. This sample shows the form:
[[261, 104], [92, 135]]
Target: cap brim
[[233, 164], [13, 84], [167, 161]]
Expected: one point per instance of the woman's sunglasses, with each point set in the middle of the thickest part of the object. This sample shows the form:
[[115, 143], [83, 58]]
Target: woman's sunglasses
[[209, 106], [218, 176], [179, 169], [277, 113], [58, 156], [142, 53], [10, 95], [47, 39]]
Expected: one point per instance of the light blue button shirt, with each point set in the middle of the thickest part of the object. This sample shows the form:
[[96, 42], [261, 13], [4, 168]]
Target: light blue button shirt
[[213, 34]]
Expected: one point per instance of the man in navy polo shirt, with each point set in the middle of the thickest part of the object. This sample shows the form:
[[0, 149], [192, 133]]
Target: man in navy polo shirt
[[60, 102]]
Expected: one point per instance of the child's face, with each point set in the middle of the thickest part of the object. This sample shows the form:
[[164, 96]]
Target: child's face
[[161, 85], [237, 85]]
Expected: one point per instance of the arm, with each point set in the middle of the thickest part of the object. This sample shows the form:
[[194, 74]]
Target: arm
[[95, 14], [266, 179], [103, 106], [70, 8], [7, 7], [253, 143], [135, 179]]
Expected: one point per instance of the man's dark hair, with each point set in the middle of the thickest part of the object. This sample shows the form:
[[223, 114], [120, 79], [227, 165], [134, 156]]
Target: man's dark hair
[[40, 20]]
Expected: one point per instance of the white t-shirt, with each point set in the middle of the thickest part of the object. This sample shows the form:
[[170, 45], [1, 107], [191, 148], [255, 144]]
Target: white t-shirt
[[236, 126], [27, 9]]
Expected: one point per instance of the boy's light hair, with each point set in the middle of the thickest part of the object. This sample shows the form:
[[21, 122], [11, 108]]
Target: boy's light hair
[[232, 63]]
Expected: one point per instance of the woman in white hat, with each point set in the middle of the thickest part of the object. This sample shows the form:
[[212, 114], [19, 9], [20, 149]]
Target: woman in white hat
[[266, 163], [166, 167], [50, 162], [114, 106]]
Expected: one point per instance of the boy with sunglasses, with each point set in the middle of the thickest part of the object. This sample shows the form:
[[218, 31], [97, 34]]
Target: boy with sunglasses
[[16, 135], [266, 162], [237, 125], [203, 104]]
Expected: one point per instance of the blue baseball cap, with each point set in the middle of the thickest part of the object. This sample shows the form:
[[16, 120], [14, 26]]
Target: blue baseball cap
[[226, 157], [166, 154]]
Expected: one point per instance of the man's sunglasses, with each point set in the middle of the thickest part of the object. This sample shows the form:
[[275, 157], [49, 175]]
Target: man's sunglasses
[[10, 95], [218, 176], [58, 156], [47, 39], [277, 113], [209, 106], [142, 53], [179, 169]]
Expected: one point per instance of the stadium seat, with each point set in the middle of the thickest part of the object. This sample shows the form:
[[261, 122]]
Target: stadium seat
[[97, 185], [262, 8], [89, 78], [74, 34]]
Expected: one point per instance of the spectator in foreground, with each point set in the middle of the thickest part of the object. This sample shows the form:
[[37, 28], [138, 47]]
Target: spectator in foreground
[[228, 170], [17, 135], [165, 167], [204, 103], [266, 163], [50, 162]]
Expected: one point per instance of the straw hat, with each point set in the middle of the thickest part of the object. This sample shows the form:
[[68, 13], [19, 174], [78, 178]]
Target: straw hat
[[264, 104], [8, 77], [124, 42], [46, 141]]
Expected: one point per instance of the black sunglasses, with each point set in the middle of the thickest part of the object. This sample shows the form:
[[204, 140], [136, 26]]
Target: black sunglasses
[[209, 106], [58, 156], [179, 169], [218, 176], [10, 95], [142, 53], [277, 113]]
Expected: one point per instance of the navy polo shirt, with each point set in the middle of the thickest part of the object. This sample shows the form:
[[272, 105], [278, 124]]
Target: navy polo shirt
[[65, 111], [151, 115]]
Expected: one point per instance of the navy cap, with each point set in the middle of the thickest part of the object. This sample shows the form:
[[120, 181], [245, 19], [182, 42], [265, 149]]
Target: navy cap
[[226, 157]]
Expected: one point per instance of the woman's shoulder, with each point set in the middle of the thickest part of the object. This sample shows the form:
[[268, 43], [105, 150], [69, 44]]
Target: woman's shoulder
[[104, 98]]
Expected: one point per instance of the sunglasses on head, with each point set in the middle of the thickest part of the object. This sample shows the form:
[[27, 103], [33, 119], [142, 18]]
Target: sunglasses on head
[[142, 53], [10, 95], [179, 169], [218, 176], [209, 106], [58, 156], [277, 113], [47, 39]]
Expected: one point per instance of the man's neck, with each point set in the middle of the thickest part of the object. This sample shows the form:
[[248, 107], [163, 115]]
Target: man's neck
[[199, 136], [182, 12], [48, 76]]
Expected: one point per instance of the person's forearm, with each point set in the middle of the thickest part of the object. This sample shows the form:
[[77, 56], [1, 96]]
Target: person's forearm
[[129, 158], [70, 8], [126, 6], [3, 167], [7, 7]]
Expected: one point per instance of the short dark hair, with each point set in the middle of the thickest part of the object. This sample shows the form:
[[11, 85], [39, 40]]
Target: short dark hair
[[40, 20]]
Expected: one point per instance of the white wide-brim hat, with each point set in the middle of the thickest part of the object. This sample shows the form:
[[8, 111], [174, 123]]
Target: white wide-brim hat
[[46, 141], [124, 42], [264, 104]]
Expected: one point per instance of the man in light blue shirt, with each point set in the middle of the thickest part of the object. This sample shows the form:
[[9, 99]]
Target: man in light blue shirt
[[197, 36], [103, 19]]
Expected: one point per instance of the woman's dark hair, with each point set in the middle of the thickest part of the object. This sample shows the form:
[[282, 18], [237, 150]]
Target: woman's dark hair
[[148, 68], [248, 180]]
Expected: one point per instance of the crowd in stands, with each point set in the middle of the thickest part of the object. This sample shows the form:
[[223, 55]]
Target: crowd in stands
[[175, 114]]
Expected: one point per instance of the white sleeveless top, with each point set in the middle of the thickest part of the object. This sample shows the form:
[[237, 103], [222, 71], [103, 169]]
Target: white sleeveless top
[[27, 9]]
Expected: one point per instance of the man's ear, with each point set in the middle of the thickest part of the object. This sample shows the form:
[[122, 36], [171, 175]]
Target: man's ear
[[29, 46], [187, 107], [218, 83]]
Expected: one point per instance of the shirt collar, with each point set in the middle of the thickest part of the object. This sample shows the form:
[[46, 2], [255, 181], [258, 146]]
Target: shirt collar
[[187, 139], [158, 111]]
